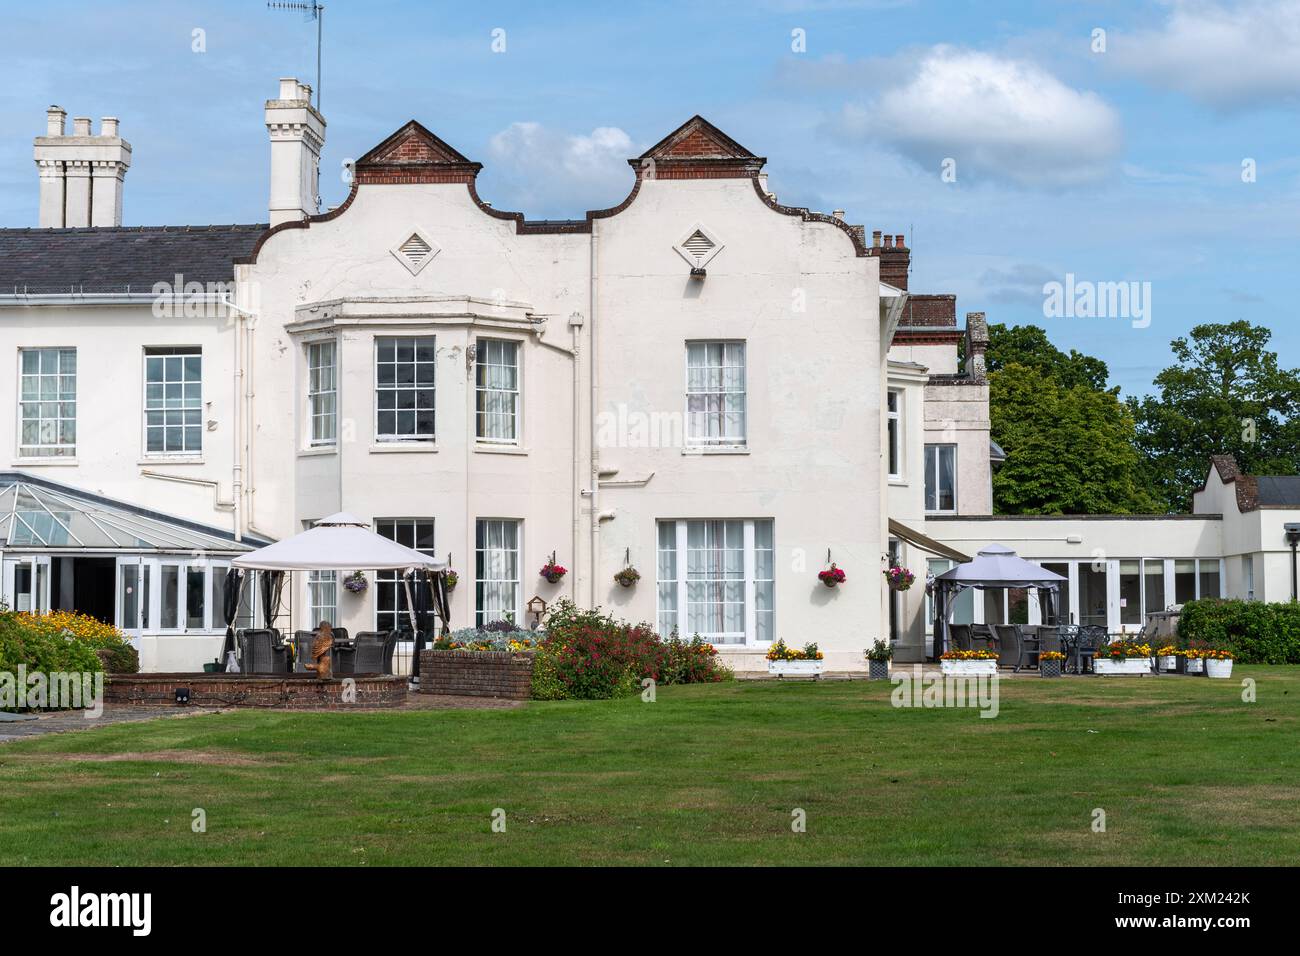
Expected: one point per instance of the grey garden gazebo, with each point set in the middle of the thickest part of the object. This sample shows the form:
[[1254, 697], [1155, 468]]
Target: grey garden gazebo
[[995, 566]]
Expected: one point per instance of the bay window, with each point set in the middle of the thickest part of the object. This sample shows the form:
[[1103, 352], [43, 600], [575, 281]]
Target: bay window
[[496, 388], [322, 393], [404, 388], [390, 592]]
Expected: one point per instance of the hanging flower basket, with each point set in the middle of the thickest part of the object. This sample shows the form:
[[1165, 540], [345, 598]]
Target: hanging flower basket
[[356, 582], [628, 577], [832, 576], [552, 571], [899, 579], [452, 579]]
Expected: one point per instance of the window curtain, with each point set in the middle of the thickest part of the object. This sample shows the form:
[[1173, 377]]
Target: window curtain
[[271, 582]]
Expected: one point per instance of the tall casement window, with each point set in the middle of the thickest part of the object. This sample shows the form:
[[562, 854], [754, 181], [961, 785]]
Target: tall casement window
[[894, 436], [715, 393], [322, 392], [497, 391], [390, 593], [173, 401], [496, 571], [716, 579], [47, 400], [941, 479], [404, 388]]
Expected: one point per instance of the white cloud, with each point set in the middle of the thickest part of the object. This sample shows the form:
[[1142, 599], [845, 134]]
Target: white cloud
[[547, 172], [1226, 56], [998, 118]]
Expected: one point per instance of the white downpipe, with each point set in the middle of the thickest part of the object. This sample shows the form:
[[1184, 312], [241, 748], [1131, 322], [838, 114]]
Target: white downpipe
[[576, 482], [595, 389]]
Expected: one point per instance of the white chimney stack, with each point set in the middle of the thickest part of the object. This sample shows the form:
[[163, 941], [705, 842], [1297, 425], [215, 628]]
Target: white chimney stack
[[297, 134], [82, 174]]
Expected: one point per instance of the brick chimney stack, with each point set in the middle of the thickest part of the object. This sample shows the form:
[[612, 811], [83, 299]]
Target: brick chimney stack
[[297, 134], [82, 174], [895, 258]]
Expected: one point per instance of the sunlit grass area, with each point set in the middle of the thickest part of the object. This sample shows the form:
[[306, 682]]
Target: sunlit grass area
[[1185, 771]]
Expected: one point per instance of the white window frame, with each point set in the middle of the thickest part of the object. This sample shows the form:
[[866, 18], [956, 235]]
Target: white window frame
[[186, 409], [894, 436], [482, 346], [720, 441], [938, 448], [749, 636], [316, 394], [413, 437], [59, 448], [479, 617], [384, 579]]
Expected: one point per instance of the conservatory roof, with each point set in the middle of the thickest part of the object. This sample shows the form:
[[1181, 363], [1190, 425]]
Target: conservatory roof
[[36, 513]]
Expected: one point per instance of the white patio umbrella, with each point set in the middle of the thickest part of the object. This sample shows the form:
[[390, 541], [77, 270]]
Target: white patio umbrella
[[341, 542]]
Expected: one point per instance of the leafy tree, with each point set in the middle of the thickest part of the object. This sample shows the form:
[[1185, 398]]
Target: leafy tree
[[1069, 446], [1028, 345], [1225, 395]]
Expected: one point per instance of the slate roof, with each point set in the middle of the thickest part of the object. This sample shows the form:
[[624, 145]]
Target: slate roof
[[120, 259], [1278, 491]]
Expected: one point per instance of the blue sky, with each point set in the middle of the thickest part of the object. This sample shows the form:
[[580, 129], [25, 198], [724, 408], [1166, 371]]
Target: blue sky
[[1122, 165]]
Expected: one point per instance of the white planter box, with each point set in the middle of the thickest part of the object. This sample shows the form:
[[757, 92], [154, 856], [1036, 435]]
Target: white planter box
[[795, 668], [1127, 665], [1169, 662], [1218, 669], [968, 668], [1195, 666]]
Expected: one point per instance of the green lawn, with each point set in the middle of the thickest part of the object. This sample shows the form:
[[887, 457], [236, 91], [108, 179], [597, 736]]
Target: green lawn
[[1186, 772]]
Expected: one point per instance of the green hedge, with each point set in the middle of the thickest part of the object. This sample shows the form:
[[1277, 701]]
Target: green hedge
[[1255, 632]]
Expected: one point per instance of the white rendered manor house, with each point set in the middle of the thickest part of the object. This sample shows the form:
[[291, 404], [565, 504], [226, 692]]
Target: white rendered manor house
[[722, 392]]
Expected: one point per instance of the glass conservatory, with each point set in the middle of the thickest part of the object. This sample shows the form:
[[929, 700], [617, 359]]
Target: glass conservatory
[[66, 549]]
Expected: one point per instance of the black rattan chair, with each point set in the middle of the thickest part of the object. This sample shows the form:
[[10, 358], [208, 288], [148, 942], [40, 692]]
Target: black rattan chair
[[1008, 644], [1030, 646], [981, 637], [960, 635], [261, 653], [374, 652]]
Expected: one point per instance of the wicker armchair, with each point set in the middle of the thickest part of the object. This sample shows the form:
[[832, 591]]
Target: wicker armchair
[[960, 634], [1027, 636], [374, 652], [1008, 644], [261, 653]]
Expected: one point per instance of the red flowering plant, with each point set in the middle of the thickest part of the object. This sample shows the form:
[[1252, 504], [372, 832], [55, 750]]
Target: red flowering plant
[[552, 571], [589, 655], [832, 576]]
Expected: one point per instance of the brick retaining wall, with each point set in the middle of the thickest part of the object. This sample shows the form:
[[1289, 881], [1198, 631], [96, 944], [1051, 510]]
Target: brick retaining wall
[[283, 691], [506, 674]]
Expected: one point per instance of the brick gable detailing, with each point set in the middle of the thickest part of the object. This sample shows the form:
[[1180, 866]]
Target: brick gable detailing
[[1245, 486], [697, 150], [414, 155]]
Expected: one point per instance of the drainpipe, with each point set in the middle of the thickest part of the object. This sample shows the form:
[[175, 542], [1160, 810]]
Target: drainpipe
[[239, 385], [594, 490], [1293, 538]]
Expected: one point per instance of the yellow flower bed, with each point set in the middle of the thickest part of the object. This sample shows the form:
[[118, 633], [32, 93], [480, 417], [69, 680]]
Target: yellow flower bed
[[81, 626]]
